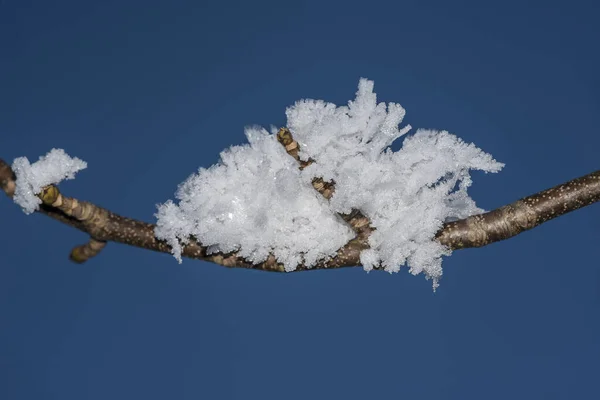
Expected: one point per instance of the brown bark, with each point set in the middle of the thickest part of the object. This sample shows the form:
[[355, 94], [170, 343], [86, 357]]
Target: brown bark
[[479, 230]]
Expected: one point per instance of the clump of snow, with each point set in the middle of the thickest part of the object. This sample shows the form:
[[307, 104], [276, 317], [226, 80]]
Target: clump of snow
[[48, 170], [257, 201], [254, 202]]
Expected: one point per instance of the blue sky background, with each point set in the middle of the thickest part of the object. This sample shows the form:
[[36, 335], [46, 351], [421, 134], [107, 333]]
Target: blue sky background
[[148, 91]]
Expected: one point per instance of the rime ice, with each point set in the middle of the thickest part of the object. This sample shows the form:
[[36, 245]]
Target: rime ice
[[256, 200], [48, 170]]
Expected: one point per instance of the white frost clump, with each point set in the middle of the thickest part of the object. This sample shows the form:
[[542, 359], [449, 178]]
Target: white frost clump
[[254, 202], [48, 170], [257, 201]]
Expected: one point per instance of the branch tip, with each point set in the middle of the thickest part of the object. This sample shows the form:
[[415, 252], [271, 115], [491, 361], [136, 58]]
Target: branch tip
[[49, 195], [84, 252]]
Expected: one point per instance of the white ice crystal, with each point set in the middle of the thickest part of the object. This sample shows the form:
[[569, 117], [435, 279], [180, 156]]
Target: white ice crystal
[[256, 200], [48, 170]]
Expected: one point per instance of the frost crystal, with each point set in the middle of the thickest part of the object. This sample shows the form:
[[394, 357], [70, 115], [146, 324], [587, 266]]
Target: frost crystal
[[48, 170], [256, 201]]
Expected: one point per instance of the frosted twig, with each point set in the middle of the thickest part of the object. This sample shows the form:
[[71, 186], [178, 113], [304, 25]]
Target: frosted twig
[[359, 223], [475, 231], [105, 226]]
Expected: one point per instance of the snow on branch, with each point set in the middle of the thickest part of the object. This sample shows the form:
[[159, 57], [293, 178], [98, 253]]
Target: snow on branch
[[48, 170], [326, 192], [257, 201]]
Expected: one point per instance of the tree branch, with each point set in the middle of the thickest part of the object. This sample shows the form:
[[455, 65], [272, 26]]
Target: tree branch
[[105, 226], [479, 230], [522, 215]]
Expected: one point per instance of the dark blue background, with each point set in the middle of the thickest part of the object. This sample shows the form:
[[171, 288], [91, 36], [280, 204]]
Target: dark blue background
[[148, 91]]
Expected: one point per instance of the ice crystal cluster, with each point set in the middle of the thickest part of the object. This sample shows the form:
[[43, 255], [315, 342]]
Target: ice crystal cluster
[[49, 169], [257, 201]]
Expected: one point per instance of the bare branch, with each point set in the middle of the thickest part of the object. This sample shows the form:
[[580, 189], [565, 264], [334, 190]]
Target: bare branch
[[92, 248], [522, 215]]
